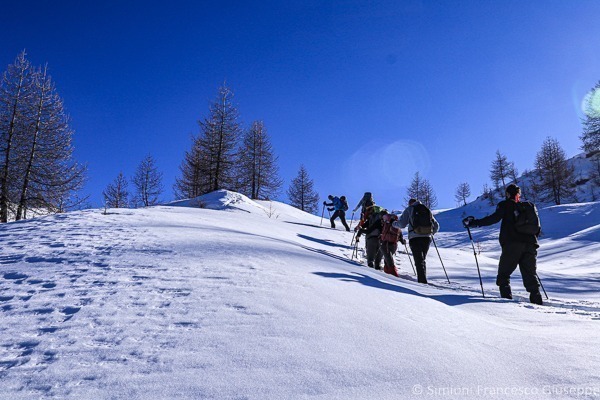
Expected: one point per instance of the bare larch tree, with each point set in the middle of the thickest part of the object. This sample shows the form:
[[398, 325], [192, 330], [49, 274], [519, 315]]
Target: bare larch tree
[[302, 194]]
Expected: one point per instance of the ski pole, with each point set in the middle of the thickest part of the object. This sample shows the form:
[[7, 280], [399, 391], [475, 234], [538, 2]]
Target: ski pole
[[351, 219], [539, 280], [355, 252], [436, 249], [476, 262], [410, 259], [322, 214]]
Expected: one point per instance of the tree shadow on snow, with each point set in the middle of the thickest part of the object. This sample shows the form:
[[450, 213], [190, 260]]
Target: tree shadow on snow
[[328, 254], [448, 299], [309, 225], [324, 241]]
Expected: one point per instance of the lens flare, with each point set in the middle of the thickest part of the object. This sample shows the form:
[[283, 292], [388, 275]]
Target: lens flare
[[385, 166], [591, 104]]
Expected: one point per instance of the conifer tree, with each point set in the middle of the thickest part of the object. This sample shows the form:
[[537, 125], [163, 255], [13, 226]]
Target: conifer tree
[[219, 137], [555, 177], [195, 177], [591, 124], [415, 190], [302, 194], [258, 172], [501, 171], [421, 189], [36, 165], [116, 194], [16, 97], [49, 175], [210, 164], [463, 191], [147, 182], [428, 196]]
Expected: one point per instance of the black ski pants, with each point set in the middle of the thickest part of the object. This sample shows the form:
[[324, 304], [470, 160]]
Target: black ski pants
[[342, 215], [388, 250], [374, 255], [419, 247], [525, 256]]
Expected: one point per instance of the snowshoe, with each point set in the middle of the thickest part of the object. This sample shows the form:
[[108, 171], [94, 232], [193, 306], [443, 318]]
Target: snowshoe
[[536, 298], [505, 292]]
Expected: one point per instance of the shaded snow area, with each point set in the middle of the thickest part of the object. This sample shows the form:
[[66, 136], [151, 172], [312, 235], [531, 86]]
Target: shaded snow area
[[256, 300]]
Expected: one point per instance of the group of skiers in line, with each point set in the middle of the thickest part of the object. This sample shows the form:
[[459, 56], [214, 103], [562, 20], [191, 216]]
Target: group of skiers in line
[[519, 233]]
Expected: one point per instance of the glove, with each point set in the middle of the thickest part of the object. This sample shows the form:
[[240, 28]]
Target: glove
[[469, 222], [324, 203], [358, 239]]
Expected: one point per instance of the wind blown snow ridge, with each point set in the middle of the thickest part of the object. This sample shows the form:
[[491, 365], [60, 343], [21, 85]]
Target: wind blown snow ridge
[[245, 299]]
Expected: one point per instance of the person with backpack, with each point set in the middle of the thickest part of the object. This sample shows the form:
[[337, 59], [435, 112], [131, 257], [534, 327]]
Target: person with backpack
[[518, 238], [421, 225], [371, 227], [388, 242], [339, 205], [366, 201]]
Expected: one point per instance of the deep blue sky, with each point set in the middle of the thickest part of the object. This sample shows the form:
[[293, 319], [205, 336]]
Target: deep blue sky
[[363, 93]]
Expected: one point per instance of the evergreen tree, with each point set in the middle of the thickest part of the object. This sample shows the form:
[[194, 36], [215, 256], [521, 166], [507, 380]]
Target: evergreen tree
[[555, 177], [302, 194], [591, 124], [16, 103], [463, 191], [218, 140], [116, 194], [147, 182], [258, 172]]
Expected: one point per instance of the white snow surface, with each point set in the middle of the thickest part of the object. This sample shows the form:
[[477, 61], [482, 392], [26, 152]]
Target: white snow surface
[[256, 300]]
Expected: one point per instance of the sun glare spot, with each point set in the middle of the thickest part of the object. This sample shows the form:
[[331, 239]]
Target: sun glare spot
[[591, 104]]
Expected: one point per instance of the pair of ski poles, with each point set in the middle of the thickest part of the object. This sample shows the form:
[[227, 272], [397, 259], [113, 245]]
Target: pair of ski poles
[[479, 272], [355, 252], [323, 213], [438, 253]]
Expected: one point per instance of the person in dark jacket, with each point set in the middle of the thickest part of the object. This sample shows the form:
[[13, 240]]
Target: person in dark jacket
[[339, 205], [371, 227], [419, 243], [517, 248]]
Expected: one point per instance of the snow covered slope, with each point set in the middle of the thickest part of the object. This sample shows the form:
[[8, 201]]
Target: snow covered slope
[[256, 300]]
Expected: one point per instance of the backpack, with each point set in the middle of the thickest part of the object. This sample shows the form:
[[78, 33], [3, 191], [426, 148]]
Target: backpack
[[389, 233], [344, 205], [373, 221], [527, 220], [422, 220]]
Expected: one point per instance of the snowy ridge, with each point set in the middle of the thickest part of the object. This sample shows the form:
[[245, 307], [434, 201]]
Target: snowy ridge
[[220, 200], [232, 301], [585, 167]]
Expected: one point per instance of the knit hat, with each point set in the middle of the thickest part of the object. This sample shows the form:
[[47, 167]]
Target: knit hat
[[513, 190]]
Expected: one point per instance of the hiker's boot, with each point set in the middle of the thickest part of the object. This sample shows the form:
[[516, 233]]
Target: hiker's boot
[[505, 292], [536, 298]]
